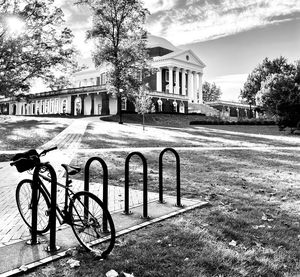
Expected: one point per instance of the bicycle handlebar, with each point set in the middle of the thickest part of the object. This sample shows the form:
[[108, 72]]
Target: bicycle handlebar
[[43, 153]]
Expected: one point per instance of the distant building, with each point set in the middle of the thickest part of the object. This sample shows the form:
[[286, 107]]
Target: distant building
[[175, 87], [229, 110]]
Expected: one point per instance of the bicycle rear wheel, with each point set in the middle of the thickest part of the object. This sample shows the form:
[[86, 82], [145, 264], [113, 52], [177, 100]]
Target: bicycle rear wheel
[[88, 222], [24, 203]]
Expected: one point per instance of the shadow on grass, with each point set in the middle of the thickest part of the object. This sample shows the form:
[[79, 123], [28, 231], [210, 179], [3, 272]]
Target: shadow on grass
[[251, 228], [27, 134], [97, 136]]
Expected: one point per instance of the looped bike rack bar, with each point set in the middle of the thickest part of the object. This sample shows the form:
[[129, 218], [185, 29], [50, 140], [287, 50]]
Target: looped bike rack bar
[[105, 184], [52, 216], [145, 188], [178, 202]]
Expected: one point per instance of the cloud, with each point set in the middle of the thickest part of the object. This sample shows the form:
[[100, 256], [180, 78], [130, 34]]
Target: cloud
[[230, 85], [200, 20]]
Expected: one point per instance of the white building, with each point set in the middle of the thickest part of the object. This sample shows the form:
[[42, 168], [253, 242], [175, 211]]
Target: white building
[[175, 87]]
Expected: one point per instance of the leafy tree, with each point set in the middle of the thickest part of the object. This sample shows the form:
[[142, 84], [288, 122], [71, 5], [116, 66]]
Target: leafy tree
[[210, 92], [118, 31], [143, 102], [39, 48], [255, 79]]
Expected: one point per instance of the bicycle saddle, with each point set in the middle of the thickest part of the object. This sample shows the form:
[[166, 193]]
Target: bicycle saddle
[[71, 170]]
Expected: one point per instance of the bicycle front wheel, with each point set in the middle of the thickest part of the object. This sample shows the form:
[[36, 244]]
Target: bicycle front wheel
[[92, 223], [24, 203]]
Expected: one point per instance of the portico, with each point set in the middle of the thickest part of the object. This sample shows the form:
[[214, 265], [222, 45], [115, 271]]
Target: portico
[[179, 73]]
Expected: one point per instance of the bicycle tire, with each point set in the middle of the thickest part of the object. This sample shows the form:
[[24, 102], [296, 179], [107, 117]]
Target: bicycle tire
[[24, 203], [88, 228]]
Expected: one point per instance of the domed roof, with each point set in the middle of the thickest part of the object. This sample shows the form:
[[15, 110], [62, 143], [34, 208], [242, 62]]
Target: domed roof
[[155, 41]]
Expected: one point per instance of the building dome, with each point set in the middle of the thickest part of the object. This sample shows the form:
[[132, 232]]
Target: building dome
[[155, 41]]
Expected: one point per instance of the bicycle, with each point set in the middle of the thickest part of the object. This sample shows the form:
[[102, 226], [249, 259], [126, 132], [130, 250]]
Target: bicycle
[[90, 220]]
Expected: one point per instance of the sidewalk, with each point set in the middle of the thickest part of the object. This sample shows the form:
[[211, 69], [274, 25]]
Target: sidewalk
[[12, 228]]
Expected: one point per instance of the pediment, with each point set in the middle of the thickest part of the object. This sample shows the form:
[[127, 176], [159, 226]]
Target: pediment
[[186, 56]]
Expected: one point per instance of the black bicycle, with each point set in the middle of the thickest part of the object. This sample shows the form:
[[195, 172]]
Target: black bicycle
[[90, 220]]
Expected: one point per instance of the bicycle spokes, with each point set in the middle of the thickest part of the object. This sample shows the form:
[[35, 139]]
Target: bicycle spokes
[[88, 215]]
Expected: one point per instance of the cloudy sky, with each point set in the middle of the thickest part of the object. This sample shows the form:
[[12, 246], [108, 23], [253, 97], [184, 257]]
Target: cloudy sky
[[230, 36]]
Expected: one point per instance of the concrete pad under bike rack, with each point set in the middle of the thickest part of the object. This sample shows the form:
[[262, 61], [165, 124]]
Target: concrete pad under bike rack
[[19, 254]]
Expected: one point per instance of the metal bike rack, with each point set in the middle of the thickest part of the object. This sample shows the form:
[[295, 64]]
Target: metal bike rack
[[145, 189], [178, 202], [52, 216], [105, 184]]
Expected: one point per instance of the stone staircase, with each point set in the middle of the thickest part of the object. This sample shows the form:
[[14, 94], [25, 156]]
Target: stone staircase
[[202, 108]]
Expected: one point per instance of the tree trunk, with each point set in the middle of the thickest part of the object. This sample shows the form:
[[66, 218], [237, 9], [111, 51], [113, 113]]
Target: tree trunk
[[119, 110]]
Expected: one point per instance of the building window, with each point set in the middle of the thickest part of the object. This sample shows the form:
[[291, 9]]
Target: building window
[[64, 106], [56, 107], [38, 107], [159, 105], [78, 106], [175, 106], [46, 106], [124, 104], [181, 107], [103, 78]]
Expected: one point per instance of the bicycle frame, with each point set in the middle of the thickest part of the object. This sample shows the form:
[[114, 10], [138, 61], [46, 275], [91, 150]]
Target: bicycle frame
[[63, 214]]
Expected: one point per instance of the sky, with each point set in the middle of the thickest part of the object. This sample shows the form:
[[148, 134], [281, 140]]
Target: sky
[[230, 36]]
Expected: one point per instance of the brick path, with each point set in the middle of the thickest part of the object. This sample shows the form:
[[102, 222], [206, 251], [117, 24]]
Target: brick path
[[12, 227]]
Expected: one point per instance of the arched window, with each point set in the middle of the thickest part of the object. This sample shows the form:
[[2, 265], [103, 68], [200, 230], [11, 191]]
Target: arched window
[[38, 107], [159, 104], [46, 106], [181, 107], [56, 107], [77, 106], [64, 106], [124, 104], [175, 106]]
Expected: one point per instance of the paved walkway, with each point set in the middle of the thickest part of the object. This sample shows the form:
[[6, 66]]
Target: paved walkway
[[11, 225]]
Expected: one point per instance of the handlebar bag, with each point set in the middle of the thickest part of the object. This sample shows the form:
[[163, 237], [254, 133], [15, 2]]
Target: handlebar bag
[[26, 161]]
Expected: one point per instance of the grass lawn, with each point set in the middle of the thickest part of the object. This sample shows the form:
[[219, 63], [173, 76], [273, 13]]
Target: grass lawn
[[23, 133], [251, 227]]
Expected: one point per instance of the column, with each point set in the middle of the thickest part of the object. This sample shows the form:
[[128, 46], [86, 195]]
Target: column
[[190, 85], [194, 87], [183, 89], [159, 80], [92, 103], [200, 87], [177, 81], [171, 80]]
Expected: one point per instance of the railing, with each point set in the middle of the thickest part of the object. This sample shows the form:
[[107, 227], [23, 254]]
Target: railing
[[169, 95]]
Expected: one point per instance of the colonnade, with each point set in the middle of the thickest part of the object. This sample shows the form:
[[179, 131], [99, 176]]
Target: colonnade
[[186, 82]]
